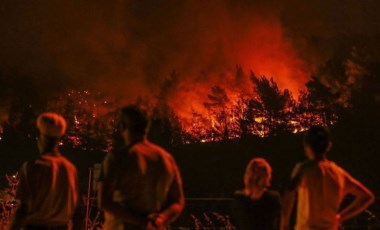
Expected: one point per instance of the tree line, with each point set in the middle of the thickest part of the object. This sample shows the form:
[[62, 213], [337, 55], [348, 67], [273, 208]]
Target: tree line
[[336, 92]]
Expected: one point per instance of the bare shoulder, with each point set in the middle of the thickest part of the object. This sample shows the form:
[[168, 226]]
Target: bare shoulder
[[300, 168], [37, 165], [160, 151], [68, 164]]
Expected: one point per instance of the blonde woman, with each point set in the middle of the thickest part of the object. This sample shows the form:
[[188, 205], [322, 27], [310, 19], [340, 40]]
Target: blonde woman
[[256, 207]]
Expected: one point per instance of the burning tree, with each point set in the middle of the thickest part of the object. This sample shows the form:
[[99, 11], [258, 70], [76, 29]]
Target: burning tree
[[275, 104], [165, 127], [219, 113]]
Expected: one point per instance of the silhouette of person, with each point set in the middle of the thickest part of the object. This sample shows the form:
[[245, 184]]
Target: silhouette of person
[[140, 185], [256, 207], [321, 186], [47, 190]]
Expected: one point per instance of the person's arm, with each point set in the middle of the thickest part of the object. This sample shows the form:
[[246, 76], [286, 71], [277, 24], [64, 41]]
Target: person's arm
[[288, 203], [106, 188], [175, 201], [22, 196], [363, 198], [289, 198], [276, 210]]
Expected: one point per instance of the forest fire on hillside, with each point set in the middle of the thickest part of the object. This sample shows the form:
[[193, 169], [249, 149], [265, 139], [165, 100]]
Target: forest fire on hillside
[[264, 111]]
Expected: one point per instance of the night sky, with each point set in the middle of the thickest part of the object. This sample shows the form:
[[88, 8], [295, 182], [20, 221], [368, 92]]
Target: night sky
[[128, 47]]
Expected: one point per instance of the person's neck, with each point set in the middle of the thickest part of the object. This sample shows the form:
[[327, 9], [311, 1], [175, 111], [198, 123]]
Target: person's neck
[[255, 193], [320, 158], [135, 140], [52, 151]]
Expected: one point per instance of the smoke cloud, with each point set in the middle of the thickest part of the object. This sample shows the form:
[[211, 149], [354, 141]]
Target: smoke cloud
[[129, 47]]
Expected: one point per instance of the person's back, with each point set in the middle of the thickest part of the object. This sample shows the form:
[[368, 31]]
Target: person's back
[[321, 191], [321, 186], [260, 214], [143, 176], [256, 207], [51, 191], [140, 186], [48, 190]]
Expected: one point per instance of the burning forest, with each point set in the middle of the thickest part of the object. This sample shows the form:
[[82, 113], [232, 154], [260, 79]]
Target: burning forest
[[259, 107], [206, 71]]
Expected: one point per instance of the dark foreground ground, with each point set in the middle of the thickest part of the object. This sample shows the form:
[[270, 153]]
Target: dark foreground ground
[[215, 170]]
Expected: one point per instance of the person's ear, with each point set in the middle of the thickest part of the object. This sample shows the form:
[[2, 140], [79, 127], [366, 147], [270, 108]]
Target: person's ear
[[122, 126], [329, 147]]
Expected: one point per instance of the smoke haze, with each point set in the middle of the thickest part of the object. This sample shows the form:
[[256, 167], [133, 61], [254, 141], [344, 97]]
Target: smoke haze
[[128, 48]]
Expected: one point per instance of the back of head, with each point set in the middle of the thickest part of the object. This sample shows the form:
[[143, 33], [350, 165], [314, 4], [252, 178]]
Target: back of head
[[318, 139], [258, 173], [52, 127], [134, 119]]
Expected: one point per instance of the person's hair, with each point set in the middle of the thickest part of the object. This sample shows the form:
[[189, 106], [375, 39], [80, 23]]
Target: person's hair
[[134, 119], [318, 139], [257, 169]]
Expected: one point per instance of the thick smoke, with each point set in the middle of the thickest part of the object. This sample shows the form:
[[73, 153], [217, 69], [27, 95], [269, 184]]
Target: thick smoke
[[129, 47]]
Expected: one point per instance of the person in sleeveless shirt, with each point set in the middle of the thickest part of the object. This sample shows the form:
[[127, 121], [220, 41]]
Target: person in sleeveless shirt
[[48, 191], [140, 185], [321, 186]]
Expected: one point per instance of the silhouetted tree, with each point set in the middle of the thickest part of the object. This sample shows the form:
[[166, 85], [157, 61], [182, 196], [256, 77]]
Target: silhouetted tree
[[166, 128], [274, 101], [217, 107]]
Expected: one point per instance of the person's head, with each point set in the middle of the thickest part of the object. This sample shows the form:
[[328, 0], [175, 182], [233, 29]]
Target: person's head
[[317, 142], [133, 123], [258, 174], [51, 127]]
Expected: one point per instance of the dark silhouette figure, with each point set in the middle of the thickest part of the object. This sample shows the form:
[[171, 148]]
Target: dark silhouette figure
[[256, 207], [48, 189], [140, 186], [321, 186]]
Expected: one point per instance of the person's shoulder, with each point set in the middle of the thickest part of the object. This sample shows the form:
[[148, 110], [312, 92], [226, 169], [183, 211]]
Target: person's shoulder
[[300, 167], [36, 164], [160, 151], [40, 161], [239, 195], [333, 164], [156, 147], [272, 193], [336, 167], [67, 163], [273, 196], [123, 152], [305, 164]]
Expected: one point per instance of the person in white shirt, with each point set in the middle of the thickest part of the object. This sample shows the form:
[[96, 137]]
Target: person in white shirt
[[48, 187], [321, 186], [140, 186]]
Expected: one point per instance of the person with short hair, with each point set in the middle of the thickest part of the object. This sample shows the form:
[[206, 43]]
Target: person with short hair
[[256, 207], [321, 186], [47, 190], [140, 185]]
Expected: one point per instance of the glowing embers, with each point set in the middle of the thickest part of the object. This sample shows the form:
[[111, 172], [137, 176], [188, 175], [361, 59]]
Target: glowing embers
[[236, 119], [91, 118]]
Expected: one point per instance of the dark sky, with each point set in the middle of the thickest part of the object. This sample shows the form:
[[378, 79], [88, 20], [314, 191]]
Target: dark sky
[[130, 46]]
